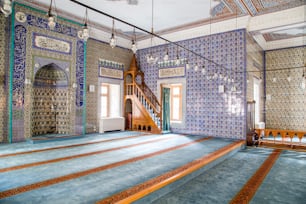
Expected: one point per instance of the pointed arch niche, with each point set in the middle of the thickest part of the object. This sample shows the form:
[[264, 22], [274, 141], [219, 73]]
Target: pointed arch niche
[[50, 104]]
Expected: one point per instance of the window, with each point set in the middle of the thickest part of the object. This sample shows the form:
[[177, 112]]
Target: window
[[110, 101], [104, 100], [176, 102]]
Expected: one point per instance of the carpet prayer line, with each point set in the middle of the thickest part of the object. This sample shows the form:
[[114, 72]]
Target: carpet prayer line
[[78, 155], [49, 182], [136, 192], [247, 192], [70, 146]]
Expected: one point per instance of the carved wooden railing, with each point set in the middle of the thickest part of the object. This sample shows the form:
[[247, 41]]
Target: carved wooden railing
[[150, 96], [147, 98], [287, 136]]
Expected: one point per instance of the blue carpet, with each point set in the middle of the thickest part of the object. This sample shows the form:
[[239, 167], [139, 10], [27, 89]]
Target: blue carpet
[[93, 187], [218, 184], [221, 183], [286, 182], [24, 146]]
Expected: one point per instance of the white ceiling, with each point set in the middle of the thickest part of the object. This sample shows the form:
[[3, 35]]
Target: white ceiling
[[178, 20], [166, 13]]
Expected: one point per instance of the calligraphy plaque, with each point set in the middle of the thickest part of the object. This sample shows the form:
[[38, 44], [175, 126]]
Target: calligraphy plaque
[[111, 73], [171, 72], [51, 44]]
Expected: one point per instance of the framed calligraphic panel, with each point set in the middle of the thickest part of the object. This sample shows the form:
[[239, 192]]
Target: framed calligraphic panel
[[111, 73], [171, 72], [51, 44]]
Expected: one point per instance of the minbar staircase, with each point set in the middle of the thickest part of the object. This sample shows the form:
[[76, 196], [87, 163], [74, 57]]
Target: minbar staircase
[[142, 108]]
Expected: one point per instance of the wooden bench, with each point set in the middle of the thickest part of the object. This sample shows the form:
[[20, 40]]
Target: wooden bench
[[284, 134]]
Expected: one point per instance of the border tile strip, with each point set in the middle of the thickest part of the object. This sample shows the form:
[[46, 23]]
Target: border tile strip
[[249, 189], [143, 189], [49, 182], [69, 146], [13, 168]]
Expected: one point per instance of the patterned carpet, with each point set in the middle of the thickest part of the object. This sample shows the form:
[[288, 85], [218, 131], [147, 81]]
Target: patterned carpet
[[133, 166]]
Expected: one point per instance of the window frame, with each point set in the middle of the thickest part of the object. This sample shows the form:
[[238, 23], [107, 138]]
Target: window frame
[[165, 83], [174, 96]]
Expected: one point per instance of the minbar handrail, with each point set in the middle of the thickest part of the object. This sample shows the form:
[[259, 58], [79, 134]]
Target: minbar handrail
[[155, 105]]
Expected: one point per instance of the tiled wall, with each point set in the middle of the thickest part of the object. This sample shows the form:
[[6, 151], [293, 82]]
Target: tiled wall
[[50, 114], [27, 117], [29, 58], [209, 112], [285, 101], [99, 50]]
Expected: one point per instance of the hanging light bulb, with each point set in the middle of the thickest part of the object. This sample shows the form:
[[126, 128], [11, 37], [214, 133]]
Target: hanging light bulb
[[134, 47], [7, 8], [187, 65], [150, 58], [166, 57], [220, 76], [233, 89], [215, 75], [203, 70], [289, 78], [274, 79], [177, 61], [85, 31], [196, 67], [112, 41], [51, 18], [225, 78]]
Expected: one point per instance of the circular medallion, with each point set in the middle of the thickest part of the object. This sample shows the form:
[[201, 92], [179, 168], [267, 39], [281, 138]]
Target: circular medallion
[[21, 17], [37, 65]]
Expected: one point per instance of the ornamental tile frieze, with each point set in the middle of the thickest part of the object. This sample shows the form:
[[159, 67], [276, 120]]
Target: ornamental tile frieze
[[43, 23], [80, 73], [19, 65]]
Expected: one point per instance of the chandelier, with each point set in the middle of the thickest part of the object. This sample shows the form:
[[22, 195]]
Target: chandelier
[[150, 58], [85, 31], [112, 41], [134, 47]]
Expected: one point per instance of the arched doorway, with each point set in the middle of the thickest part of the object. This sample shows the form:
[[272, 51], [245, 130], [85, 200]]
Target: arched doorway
[[50, 112]]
